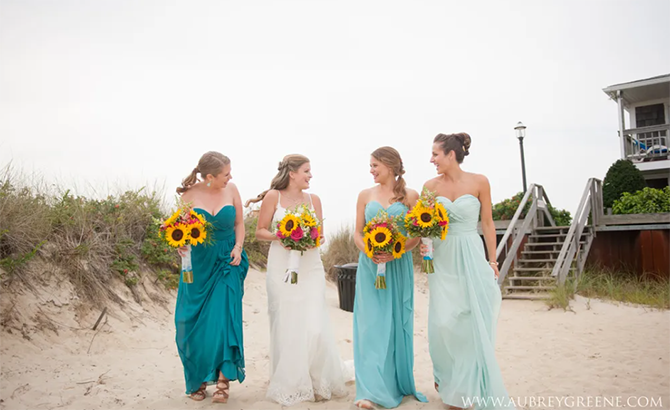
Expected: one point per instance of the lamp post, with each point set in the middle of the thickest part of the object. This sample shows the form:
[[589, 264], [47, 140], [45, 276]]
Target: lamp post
[[520, 134]]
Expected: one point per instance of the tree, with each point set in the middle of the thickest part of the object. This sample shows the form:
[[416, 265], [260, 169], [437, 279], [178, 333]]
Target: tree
[[622, 177]]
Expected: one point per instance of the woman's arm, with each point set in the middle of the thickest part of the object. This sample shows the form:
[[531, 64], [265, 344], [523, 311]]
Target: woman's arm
[[316, 202], [360, 220], [268, 207], [488, 227], [412, 198], [240, 231]]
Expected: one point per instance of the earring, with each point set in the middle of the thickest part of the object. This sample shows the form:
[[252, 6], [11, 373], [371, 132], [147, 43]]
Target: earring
[[209, 184]]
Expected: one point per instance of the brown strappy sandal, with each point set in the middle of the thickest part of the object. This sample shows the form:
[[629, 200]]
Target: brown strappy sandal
[[200, 394], [222, 387]]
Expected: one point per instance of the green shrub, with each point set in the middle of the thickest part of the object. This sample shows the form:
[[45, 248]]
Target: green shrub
[[505, 209], [257, 251], [621, 177], [92, 240], [646, 201]]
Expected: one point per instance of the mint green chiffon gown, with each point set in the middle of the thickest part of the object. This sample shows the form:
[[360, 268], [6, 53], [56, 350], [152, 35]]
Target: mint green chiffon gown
[[208, 314], [464, 305]]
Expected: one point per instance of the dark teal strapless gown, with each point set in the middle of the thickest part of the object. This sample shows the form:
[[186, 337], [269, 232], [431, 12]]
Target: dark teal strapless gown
[[208, 316]]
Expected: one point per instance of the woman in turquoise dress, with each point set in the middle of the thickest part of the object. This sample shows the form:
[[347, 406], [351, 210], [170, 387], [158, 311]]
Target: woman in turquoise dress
[[384, 318], [208, 315], [465, 298]]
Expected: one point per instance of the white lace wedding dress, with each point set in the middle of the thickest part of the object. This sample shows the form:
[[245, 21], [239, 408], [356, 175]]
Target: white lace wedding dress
[[305, 363]]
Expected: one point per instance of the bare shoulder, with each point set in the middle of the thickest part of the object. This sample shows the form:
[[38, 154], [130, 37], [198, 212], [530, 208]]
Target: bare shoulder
[[431, 184], [364, 195], [272, 195], [412, 195], [315, 198], [480, 179], [481, 182], [232, 186], [192, 192]]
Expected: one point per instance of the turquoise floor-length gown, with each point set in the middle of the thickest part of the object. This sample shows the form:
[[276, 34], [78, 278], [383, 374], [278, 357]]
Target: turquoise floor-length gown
[[464, 305], [208, 315], [384, 326]]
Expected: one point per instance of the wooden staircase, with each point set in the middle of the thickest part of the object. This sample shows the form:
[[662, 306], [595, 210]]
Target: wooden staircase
[[551, 254], [531, 276]]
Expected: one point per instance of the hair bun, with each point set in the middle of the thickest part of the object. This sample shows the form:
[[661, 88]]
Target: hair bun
[[466, 140]]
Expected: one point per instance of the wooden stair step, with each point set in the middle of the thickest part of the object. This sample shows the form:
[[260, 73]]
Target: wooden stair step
[[543, 251], [537, 260], [554, 235], [551, 228], [521, 287], [532, 269], [532, 278], [549, 243], [527, 296]]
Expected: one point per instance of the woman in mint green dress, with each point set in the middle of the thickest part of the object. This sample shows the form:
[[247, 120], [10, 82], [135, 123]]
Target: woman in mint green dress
[[208, 315], [384, 318], [464, 295]]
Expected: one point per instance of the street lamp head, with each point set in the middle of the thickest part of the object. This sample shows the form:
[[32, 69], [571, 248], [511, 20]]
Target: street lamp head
[[520, 130]]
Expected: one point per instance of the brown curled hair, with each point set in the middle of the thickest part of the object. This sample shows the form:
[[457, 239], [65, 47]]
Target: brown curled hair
[[459, 143], [211, 163], [391, 158], [290, 163]]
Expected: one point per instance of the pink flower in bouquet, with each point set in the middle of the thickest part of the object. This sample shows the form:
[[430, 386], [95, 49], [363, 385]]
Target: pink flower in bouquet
[[314, 233], [296, 235], [280, 235]]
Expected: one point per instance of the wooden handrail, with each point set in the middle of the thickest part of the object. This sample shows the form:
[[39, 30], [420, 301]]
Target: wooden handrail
[[528, 220], [587, 205]]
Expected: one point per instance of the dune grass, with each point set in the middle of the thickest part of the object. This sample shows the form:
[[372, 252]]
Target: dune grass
[[648, 290]]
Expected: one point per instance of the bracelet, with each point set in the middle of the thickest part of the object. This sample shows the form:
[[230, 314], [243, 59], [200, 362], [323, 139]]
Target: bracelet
[[237, 246], [493, 263]]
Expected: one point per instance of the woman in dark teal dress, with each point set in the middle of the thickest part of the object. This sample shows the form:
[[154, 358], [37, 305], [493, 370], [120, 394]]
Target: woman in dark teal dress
[[384, 318], [208, 315]]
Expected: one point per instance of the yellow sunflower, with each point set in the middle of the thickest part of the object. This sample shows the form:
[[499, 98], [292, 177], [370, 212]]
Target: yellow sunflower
[[172, 219], [424, 216], [369, 250], [288, 224], [318, 238], [308, 220], [444, 232], [380, 236], [399, 247], [197, 234], [441, 212], [176, 235], [195, 215]]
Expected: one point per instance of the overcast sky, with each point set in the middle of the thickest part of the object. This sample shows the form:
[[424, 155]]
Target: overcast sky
[[117, 94]]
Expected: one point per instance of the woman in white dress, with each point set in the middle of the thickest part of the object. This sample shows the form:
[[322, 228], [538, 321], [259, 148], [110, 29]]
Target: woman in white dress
[[305, 362]]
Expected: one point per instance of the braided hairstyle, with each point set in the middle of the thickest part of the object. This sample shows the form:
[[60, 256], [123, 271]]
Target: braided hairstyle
[[391, 158], [211, 163], [290, 163]]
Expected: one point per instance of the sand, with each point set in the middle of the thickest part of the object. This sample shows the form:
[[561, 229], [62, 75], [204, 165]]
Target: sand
[[50, 357]]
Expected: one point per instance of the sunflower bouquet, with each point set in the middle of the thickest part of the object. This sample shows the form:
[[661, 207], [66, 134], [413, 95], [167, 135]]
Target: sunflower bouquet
[[299, 230], [382, 234], [185, 228], [428, 219]]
